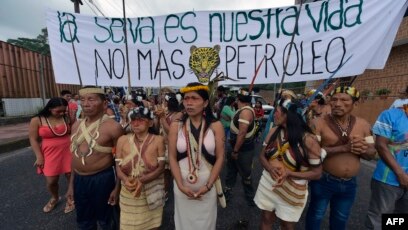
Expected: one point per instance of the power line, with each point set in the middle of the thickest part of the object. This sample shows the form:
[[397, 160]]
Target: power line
[[90, 1], [91, 8]]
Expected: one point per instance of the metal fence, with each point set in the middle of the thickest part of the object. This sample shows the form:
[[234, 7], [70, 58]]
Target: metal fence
[[27, 74]]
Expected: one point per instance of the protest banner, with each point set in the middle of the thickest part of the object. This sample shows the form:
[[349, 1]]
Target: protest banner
[[328, 33]]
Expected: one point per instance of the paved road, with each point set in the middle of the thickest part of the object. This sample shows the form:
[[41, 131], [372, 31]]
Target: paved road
[[23, 194]]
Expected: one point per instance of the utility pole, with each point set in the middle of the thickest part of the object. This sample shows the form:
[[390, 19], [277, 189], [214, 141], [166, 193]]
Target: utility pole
[[42, 81], [76, 5]]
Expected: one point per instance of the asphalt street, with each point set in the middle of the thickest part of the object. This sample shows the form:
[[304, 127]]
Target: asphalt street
[[23, 195]]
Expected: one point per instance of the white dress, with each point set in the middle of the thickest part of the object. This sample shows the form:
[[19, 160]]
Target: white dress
[[195, 214]]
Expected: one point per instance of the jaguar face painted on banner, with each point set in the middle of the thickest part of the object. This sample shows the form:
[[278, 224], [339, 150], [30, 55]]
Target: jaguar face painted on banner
[[203, 61]]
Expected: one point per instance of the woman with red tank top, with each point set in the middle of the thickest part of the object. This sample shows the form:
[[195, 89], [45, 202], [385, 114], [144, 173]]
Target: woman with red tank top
[[49, 138]]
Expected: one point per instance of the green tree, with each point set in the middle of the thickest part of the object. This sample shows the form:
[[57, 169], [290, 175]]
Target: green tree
[[38, 44]]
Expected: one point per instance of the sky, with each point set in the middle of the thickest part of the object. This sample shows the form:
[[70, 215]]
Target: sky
[[26, 18]]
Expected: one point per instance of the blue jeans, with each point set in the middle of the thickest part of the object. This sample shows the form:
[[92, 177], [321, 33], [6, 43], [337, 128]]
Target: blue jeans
[[339, 192]]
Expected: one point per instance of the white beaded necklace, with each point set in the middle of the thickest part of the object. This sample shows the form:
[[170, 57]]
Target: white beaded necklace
[[54, 132]]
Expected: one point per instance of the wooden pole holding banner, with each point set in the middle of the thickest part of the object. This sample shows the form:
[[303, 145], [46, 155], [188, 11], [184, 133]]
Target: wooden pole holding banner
[[75, 56], [76, 5], [126, 47], [325, 83], [159, 65], [251, 86], [352, 81], [290, 47], [43, 94]]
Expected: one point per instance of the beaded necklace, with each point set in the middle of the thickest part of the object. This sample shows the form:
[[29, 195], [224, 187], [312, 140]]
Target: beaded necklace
[[343, 131], [54, 132], [136, 169], [193, 151]]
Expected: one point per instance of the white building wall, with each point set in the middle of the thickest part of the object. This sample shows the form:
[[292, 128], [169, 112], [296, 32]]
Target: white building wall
[[21, 106]]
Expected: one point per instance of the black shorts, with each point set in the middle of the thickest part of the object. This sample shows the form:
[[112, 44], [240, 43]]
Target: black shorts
[[91, 194]]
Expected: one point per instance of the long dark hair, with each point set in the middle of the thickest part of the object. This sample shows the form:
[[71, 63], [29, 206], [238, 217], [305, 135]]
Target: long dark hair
[[229, 101], [52, 103], [296, 129], [172, 103], [208, 114]]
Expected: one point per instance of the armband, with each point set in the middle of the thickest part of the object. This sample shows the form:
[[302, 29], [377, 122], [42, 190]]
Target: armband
[[161, 159], [369, 139], [315, 162], [243, 121], [119, 160], [323, 154]]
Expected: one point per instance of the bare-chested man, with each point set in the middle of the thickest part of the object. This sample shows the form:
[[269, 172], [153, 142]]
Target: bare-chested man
[[346, 139], [93, 185]]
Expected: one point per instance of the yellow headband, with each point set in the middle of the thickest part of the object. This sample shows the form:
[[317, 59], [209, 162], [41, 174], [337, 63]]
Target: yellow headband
[[194, 88], [353, 92], [84, 91]]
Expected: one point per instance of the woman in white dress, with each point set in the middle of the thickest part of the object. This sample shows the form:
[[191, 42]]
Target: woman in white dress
[[196, 154]]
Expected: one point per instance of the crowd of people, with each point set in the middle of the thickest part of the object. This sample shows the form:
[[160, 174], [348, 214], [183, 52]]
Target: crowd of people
[[123, 156]]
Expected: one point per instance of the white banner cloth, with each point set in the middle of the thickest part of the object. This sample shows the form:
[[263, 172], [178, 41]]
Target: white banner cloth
[[329, 32]]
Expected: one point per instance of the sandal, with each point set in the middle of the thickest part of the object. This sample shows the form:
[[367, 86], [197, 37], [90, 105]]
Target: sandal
[[51, 205], [69, 206]]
